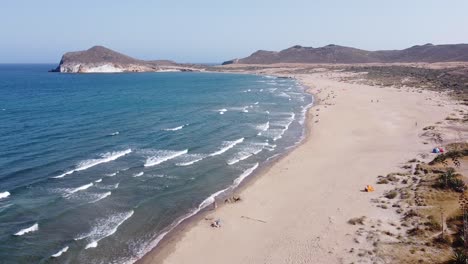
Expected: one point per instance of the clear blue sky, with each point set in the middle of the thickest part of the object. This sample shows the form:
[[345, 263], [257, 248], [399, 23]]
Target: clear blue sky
[[217, 30]]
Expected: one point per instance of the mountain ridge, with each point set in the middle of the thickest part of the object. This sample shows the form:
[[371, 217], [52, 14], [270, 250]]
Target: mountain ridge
[[341, 54]]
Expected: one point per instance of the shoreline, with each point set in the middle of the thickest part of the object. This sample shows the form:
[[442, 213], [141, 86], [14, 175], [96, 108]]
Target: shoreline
[[173, 233], [316, 203]]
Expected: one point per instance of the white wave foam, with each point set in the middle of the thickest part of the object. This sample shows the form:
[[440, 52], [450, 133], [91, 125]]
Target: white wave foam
[[247, 152], [58, 254], [106, 157], [99, 180], [4, 195], [190, 159], [138, 174], [227, 145], [304, 112], [112, 174], [222, 111], [81, 188], [103, 228], [244, 175], [101, 196], [174, 128], [205, 203], [91, 245], [30, 229], [110, 187], [163, 156], [114, 134], [263, 127], [274, 133]]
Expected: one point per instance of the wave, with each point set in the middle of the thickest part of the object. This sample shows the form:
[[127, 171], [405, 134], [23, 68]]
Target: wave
[[114, 134], [103, 228], [190, 159], [138, 174], [106, 157], [244, 175], [58, 254], [205, 203], [110, 187], [227, 145], [247, 152], [101, 196], [222, 111], [99, 180], [30, 229], [174, 128], [81, 188], [4, 195], [304, 112], [163, 156], [112, 174], [263, 127]]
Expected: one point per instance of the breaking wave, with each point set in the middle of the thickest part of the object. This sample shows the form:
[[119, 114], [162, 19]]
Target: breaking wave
[[81, 188], [106, 157], [30, 229], [162, 156], [4, 195], [58, 254], [227, 145], [103, 228], [174, 128]]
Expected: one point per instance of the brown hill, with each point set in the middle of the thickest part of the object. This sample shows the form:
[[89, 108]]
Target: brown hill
[[340, 54], [102, 59]]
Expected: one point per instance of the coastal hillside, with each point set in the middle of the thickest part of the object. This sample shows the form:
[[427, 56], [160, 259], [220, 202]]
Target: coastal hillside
[[102, 59], [340, 54]]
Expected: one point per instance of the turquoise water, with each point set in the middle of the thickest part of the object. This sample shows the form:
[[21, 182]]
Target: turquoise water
[[97, 168]]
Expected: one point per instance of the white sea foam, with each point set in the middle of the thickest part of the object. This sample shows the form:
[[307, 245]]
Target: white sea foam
[[246, 152], [58, 254], [138, 174], [103, 228], [174, 128], [4, 195], [222, 111], [190, 159], [205, 203], [81, 188], [263, 127], [162, 156], [227, 145], [112, 174], [114, 134], [244, 175], [274, 133], [106, 157], [30, 229], [101, 196], [99, 180]]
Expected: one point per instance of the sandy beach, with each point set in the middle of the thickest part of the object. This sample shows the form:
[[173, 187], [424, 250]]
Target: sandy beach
[[297, 210]]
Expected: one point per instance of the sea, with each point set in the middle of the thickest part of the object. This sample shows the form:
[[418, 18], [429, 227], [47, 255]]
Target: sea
[[98, 168]]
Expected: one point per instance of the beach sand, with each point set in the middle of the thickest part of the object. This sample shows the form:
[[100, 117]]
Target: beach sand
[[305, 199]]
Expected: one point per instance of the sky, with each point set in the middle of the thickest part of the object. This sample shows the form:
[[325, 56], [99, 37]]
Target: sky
[[33, 31]]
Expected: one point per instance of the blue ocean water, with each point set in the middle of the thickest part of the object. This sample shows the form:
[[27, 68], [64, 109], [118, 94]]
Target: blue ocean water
[[97, 168]]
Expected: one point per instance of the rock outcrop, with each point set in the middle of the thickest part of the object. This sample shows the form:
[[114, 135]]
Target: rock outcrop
[[99, 59], [340, 54]]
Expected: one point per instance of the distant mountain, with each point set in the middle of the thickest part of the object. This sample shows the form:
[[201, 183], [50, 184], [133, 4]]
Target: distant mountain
[[340, 54], [102, 59]]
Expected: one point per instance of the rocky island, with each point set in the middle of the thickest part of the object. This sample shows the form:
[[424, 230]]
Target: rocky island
[[99, 59]]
